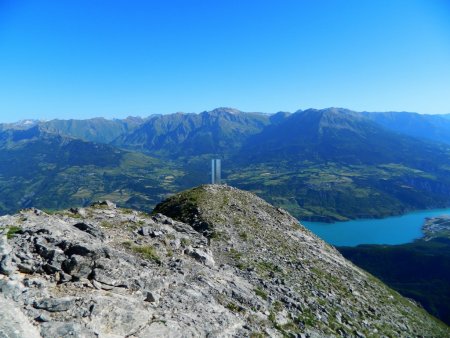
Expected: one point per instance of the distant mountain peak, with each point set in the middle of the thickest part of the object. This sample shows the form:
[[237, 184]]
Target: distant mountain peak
[[328, 111], [328, 117], [225, 110], [20, 125]]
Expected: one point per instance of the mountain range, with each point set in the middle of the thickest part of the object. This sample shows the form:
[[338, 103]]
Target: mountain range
[[431, 127], [220, 131], [328, 164]]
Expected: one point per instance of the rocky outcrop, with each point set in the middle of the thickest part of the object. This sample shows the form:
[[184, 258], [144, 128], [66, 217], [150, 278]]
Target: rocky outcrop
[[225, 264]]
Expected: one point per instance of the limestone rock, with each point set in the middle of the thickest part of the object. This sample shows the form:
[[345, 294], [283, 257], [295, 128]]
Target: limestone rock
[[55, 304], [13, 322], [220, 263], [203, 256], [90, 229], [65, 330]]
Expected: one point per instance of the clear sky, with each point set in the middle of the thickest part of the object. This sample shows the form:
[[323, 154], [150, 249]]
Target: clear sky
[[114, 58]]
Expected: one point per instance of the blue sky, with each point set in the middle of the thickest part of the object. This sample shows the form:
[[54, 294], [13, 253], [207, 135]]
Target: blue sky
[[86, 58]]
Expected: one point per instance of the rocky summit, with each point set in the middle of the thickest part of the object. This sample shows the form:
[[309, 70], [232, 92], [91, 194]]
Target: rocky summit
[[213, 261]]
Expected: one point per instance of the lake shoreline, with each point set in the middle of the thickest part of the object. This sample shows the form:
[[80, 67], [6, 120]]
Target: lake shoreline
[[333, 220], [399, 229]]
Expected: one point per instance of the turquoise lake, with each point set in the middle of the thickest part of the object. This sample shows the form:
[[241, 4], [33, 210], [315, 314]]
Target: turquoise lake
[[390, 230]]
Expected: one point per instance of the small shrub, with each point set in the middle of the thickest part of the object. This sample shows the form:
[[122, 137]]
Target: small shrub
[[233, 307], [217, 235], [243, 235], [12, 231], [277, 306], [257, 335], [185, 242], [242, 266], [106, 225], [266, 267], [127, 244], [272, 317], [307, 317], [169, 252], [170, 237], [235, 254], [147, 251], [261, 293]]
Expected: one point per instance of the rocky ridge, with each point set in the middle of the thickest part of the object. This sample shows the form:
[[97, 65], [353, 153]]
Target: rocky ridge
[[212, 261]]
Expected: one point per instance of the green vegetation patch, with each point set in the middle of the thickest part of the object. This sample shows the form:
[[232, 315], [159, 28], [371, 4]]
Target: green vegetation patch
[[106, 224], [243, 235], [261, 293], [234, 307], [12, 231], [265, 267], [146, 251]]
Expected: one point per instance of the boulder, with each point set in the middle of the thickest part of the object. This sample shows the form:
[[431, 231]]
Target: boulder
[[90, 229], [78, 266], [204, 256], [55, 304]]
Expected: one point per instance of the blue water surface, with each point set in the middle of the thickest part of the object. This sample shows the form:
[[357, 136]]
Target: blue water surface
[[390, 230]]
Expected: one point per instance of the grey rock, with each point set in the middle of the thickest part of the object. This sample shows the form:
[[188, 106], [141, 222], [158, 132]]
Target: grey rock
[[104, 277], [7, 265], [110, 272], [145, 231], [148, 231], [64, 277], [90, 229], [13, 322], [26, 268], [151, 297], [5, 248], [78, 266], [184, 228], [11, 288], [43, 318], [64, 329], [157, 233], [203, 256], [80, 249], [123, 316], [43, 248], [55, 304]]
